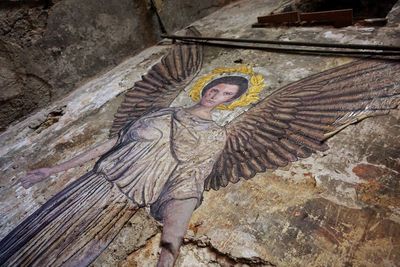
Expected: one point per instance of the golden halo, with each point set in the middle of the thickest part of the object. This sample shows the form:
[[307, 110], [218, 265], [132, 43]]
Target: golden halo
[[256, 84]]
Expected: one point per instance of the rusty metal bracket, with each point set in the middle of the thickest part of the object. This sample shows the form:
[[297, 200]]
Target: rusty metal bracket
[[287, 18], [337, 18]]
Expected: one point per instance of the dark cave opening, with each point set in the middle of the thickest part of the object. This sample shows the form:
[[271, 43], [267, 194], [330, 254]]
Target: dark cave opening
[[7, 4], [362, 9]]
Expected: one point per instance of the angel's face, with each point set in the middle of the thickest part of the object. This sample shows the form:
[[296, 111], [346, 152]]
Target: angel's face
[[219, 94]]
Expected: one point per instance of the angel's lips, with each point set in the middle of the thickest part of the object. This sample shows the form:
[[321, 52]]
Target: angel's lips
[[206, 102], [209, 103]]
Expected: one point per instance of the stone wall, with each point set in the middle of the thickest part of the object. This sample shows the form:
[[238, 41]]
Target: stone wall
[[176, 14], [47, 50], [48, 47]]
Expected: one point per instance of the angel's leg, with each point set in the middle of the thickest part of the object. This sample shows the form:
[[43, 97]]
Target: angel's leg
[[176, 217]]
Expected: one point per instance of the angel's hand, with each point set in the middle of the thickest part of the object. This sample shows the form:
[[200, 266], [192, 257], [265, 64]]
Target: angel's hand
[[35, 176]]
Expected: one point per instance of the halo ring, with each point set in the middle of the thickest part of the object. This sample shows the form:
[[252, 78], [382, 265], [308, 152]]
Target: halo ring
[[255, 80]]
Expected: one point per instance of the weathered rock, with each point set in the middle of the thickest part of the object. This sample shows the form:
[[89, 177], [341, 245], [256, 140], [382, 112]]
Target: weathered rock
[[48, 47], [336, 208], [188, 11], [47, 51]]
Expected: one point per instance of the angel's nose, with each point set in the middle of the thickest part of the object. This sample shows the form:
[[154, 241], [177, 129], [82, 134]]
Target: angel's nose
[[213, 95]]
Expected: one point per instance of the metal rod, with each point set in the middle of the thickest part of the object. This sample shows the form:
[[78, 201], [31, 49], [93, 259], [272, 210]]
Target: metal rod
[[289, 43], [319, 52]]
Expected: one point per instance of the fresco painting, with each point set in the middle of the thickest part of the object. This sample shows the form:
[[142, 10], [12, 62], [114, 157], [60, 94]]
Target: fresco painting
[[164, 157]]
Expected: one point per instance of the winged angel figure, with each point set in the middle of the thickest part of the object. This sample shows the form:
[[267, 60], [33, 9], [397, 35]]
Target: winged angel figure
[[164, 157]]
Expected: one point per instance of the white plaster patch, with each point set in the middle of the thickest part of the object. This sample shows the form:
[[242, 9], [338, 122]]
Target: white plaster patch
[[333, 36], [17, 145], [236, 243], [342, 36]]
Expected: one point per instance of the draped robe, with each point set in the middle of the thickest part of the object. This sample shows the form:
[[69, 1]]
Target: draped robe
[[163, 156]]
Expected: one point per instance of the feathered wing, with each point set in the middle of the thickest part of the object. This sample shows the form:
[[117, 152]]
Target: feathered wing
[[162, 83], [296, 120]]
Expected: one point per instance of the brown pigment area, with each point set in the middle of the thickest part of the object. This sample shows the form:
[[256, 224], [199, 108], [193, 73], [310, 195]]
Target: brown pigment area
[[380, 186], [338, 229], [76, 143]]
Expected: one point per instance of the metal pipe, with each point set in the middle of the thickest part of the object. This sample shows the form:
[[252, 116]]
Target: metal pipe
[[288, 43], [319, 52]]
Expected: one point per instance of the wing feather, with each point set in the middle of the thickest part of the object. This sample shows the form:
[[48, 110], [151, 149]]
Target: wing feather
[[276, 159], [287, 155], [295, 121], [162, 83]]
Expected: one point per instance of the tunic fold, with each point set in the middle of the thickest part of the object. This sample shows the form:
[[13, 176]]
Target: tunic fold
[[163, 156]]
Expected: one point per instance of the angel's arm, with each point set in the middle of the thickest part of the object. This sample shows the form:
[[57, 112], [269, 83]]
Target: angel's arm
[[38, 175], [86, 156]]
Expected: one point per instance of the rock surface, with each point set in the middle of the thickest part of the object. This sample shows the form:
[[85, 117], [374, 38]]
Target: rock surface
[[47, 48], [176, 15], [336, 208]]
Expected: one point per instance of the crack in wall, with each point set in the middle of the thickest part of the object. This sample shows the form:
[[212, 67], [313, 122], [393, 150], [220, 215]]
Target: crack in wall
[[223, 258]]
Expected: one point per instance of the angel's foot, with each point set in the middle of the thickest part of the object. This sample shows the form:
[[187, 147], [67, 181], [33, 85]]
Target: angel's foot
[[167, 257]]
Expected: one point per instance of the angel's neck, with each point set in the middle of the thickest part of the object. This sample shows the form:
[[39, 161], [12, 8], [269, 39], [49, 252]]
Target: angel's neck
[[200, 111]]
